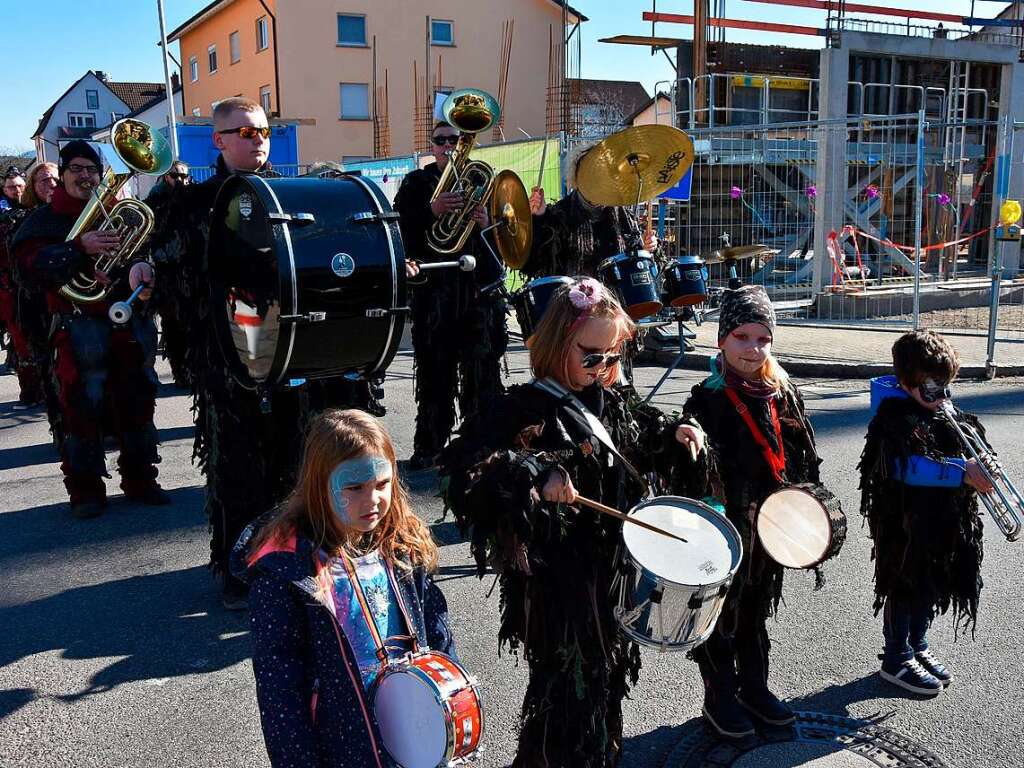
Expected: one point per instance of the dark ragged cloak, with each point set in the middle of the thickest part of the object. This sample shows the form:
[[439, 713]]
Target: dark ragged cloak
[[927, 542]]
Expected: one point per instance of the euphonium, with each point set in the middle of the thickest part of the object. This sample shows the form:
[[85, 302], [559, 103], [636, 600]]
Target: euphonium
[[143, 151], [1004, 502], [470, 111]]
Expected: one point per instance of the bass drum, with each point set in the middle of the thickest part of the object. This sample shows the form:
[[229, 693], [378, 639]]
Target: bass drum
[[307, 278]]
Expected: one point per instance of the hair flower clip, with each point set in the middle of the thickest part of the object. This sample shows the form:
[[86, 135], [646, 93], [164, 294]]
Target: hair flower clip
[[585, 294]]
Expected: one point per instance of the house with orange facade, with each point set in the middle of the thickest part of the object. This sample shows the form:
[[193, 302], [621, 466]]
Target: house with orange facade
[[325, 64]]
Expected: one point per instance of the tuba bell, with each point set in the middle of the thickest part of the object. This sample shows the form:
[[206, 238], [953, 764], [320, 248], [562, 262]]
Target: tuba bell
[[470, 111], [144, 151]]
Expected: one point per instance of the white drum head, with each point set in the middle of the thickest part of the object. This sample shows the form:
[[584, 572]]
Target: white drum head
[[712, 551], [411, 721], [794, 528]]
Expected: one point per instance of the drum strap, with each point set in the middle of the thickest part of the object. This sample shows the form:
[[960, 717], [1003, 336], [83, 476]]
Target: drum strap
[[776, 459], [371, 624], [598, 429]]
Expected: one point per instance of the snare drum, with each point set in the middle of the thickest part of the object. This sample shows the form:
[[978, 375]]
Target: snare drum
[[669, 594], [532, 299], [428, 711], [801, 526], [686, 282], [633, 277]]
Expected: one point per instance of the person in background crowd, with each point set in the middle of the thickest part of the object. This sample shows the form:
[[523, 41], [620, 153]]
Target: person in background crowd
[[100, 368]]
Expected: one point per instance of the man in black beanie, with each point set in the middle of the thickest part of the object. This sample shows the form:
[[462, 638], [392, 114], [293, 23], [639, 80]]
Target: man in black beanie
[[104, 383]]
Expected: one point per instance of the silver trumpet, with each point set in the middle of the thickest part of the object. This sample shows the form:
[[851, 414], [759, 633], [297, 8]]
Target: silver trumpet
[[1004, 502]]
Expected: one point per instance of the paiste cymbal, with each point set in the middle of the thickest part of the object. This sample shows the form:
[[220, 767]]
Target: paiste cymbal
[[736, 252], [648, 159], [510, 206]]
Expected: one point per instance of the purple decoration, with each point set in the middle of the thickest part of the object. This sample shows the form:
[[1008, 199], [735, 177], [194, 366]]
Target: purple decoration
[[943, 198], [735, 193], [812, 191], [871, 191]]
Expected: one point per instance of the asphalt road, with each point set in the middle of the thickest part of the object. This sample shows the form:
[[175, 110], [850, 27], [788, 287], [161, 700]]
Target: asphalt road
[[114, 650]]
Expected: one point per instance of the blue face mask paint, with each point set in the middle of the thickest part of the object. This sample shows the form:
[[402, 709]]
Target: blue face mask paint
[[355, 472]]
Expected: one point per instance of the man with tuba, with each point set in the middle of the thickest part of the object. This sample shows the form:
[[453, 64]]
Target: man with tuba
[[103, 378], [458, 330]]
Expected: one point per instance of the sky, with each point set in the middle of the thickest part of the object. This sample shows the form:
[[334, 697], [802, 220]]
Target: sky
[[121, 37]]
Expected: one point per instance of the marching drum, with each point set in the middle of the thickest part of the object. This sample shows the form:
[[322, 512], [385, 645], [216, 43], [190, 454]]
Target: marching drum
[[428, 711], [307, 278], [669, 594], [633, 277], [686, 282], [801, 526], [532, 299]]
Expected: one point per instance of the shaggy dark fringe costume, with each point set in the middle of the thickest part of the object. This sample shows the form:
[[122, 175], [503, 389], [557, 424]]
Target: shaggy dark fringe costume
[[736, 654], [556, 563], [458, 333], [248, 453], [927, 542], [572, 239]]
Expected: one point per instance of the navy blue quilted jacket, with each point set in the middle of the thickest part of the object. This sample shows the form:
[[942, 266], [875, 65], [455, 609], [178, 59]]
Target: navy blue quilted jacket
[[313, 709]]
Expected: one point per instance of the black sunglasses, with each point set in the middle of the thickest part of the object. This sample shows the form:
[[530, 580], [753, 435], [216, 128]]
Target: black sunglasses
[[442, 140], [595, 359], [932, 392], [249, 131], [179, 176]]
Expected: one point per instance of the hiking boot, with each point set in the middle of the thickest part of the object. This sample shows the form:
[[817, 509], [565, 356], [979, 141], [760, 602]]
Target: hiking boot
[[727, 718], [766, 707], [934, 667], [419, 462], [152, 497], [85, 510], [911, 676], [235, 596]]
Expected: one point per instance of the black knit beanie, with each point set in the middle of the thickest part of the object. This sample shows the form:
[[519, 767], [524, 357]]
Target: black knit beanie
[[78, 149], [749, 304]]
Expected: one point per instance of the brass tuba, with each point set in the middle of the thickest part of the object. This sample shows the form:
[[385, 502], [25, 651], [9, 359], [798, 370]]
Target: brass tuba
[[470, 111], [144, 151]]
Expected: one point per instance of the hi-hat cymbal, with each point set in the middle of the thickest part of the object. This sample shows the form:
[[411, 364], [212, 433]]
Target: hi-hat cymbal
[[644, 159], [736, 252], [510, 207]]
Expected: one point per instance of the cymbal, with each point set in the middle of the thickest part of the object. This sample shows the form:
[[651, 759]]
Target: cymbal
[[510, 206], [736, 252], [648, 159]]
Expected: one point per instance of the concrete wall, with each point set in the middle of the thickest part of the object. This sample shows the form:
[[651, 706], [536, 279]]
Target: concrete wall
[[75, 102], [253, 70]]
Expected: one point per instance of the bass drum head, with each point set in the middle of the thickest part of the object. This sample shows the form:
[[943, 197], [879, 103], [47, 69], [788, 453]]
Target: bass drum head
[[710, 555], [411, 720], [307, 278], [794, 528]]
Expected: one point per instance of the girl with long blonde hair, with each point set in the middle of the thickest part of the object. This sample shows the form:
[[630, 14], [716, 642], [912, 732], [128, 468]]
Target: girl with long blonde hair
[[513, 477], [339, 582], [760, 438]]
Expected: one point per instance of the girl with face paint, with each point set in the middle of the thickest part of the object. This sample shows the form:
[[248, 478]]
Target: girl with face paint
[[339, 586], [512, 478], [760, 439]]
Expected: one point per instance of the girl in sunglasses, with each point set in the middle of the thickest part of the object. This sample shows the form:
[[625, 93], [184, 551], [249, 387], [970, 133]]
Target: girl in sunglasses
[[920, 499], [512, 477]]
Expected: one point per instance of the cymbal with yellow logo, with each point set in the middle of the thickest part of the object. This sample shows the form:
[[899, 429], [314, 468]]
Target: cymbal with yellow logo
[[635, 164], [510, 209]]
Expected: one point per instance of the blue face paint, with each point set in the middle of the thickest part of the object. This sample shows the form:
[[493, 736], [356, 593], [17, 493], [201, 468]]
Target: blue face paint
[[355, 472]]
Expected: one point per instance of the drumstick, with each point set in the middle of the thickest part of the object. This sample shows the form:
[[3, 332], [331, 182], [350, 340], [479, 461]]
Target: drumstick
[[543, 158], [626, 518]]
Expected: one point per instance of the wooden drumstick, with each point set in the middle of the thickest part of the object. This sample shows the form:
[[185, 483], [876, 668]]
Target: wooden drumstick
[[626, 518]]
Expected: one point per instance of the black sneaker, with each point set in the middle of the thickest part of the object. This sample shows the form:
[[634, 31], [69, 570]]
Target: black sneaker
[[235, 596], [87, 509], [766, 707], [934, 667], [727, 718], [912, 676], [419, 462]]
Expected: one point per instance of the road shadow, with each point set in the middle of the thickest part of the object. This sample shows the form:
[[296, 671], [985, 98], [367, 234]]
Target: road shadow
[[27, 533], [158, 626]]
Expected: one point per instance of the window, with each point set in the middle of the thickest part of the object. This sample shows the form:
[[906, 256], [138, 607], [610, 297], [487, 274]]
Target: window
[[211, 58], [81, 120], [193, 68], [265, 98], [196, 112], [351, 29], [262, 34], [236, 49], [442, 32], [92, 100], [355, 101]]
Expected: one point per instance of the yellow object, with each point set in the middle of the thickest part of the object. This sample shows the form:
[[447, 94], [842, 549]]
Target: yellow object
[[781, 83], [1009, 213]]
